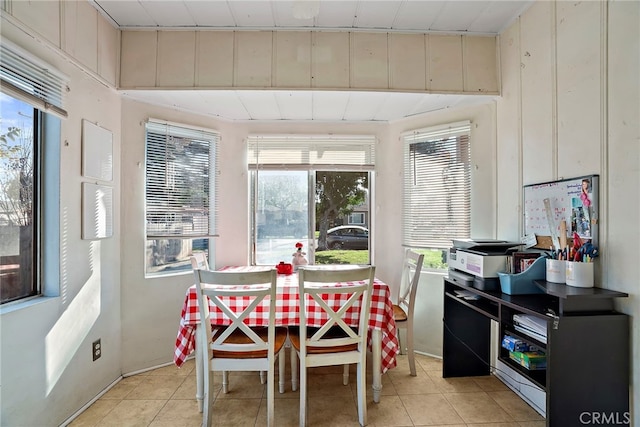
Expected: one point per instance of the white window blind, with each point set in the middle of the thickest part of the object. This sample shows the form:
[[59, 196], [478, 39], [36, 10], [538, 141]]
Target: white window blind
[[181, 181], [31, 80], [437, 186], [326, 152]]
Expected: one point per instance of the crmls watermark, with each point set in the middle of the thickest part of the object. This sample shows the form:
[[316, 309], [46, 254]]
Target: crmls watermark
[[605, 418]]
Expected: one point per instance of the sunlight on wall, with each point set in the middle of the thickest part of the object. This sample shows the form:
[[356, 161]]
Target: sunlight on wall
[[69, 332]]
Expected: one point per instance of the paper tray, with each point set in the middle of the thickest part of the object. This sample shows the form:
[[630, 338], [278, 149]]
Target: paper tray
[[522, 283]]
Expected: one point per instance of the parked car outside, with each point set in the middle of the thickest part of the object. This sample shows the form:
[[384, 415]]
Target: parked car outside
[[348, 237]]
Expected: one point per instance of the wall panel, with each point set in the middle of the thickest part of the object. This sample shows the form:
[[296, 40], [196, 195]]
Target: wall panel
[[292, 59], [579, 88], [138, 59], [330, 60], [369, 63], [176, 58], [214, 58], [537, 69], [408, 49], [253, 53], [480, 74], [445, 63]]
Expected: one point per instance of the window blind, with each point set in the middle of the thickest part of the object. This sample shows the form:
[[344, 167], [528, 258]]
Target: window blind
[[31, 80], [437, 186], [180, 181], [328, 152]]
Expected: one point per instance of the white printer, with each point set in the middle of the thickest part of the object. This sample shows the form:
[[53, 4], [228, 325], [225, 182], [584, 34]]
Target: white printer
[[478, 262]]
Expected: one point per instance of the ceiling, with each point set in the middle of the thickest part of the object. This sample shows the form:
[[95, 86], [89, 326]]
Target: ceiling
[[477, 17]]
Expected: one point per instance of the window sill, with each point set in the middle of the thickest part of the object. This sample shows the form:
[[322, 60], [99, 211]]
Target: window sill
[[23, 304]]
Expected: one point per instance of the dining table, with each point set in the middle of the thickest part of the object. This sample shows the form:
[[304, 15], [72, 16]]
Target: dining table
[[382, 339]]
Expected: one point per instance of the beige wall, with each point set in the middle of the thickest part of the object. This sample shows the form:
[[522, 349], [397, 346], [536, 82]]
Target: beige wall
[[309, 60], [570, 106]]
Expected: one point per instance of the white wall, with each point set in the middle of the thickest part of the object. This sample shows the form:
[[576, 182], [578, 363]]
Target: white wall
[[46, 367], [149, 330], [570, 106]]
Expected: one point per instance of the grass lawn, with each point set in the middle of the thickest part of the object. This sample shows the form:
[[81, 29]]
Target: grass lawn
[[342, 257], [432, 258]]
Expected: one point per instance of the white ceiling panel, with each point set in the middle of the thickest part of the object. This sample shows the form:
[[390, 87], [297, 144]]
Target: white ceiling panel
[[209, 13], [295, 105], [127, 13], [497, 15], [330, 106], [339, 14], [364, 106], [418, 14], [486, 17], [252, 14], [168, 13], [458, 15], [377, 14], [261, 105], [398, 104]]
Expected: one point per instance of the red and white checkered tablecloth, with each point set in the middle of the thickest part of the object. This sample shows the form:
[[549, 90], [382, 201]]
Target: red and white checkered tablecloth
[[287, 314]]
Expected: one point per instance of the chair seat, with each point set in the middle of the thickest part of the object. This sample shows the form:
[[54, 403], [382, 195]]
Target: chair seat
[[335, 332], [237, 337], [399, 315]]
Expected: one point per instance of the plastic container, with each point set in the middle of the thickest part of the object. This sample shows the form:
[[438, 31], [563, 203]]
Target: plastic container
[[556, 271], [522, 283], [579, 274]]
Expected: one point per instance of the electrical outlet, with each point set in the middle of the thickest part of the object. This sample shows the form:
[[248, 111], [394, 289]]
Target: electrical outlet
[[96, 349]]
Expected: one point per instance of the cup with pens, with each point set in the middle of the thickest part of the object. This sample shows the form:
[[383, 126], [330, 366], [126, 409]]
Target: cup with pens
[[572, 265], [579, 267]]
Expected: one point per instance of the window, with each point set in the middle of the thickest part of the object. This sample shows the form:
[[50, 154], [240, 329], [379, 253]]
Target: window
[[302, 186], [180, 195], [29, 140], [356, 218], [437, 188]]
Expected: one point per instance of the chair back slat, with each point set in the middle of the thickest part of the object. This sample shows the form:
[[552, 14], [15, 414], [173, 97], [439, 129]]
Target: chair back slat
[[199, 261], [354, 293], [219, 287], [411, 269]]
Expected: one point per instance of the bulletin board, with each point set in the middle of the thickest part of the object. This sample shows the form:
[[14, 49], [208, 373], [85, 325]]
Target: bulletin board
[[97, 211], [97, 152], [548, 204]]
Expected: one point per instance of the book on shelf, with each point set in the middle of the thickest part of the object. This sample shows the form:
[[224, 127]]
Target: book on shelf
[[518, 262]]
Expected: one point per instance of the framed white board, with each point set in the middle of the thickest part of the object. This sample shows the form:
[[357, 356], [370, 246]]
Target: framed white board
[[574, 201], [97, 152], [97, 211]]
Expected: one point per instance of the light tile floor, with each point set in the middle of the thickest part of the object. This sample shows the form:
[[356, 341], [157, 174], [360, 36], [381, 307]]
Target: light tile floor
[[165, 397]]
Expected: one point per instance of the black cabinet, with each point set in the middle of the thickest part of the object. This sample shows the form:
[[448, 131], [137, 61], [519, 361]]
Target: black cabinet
[[586, 346]]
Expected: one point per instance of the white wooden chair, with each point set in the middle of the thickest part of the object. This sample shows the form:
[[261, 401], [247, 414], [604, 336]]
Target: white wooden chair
[[238, 347], [335, 342], [199, 261], [403, 311]]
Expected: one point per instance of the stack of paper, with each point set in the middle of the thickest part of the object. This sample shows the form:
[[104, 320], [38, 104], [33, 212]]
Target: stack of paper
[[532, 326]]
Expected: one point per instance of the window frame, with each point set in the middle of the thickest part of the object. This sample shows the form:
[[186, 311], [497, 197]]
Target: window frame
[[28, 79], [445, 148], [162, 135]]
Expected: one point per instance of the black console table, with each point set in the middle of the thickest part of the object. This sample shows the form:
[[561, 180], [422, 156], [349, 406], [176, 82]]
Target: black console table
[[587, 346]]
